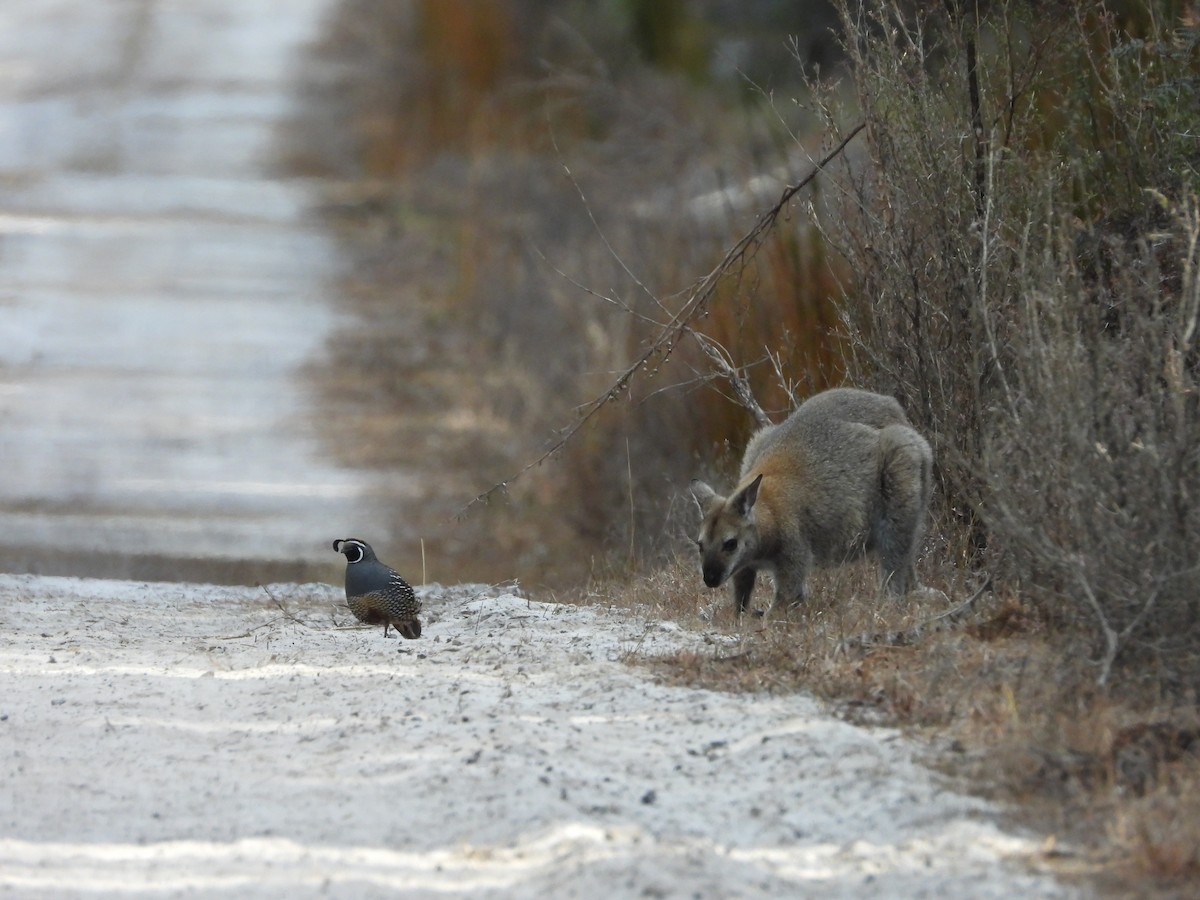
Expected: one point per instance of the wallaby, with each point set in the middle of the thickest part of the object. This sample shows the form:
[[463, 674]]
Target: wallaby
[[843, 475]]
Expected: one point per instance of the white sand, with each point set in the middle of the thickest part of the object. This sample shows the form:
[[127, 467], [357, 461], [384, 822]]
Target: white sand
[[162, 740]]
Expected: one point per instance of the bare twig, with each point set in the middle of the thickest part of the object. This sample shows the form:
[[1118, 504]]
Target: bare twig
[[931, 625], [1114, 641], [1188, 215], [283, 609], [600, 231], [719, 357], [788, 385], [981, 137], [678, 325], [248, 632], [591, 292], [985, 243]]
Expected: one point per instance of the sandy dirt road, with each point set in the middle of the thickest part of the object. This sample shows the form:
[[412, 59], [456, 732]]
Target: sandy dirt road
[[187, 740], [163, 285]]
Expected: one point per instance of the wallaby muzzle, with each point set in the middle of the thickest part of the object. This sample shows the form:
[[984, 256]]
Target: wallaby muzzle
[[714, 574]]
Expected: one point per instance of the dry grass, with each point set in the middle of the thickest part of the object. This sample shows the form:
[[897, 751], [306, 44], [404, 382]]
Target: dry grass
[[1002, 701]]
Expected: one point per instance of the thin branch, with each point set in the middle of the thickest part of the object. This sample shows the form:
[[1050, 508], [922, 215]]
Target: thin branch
[[1115, 642], [788, 385], [246, 634], [1188, 215], [985, 244], [981, 138], [591, 292], [283, 609], [677, 327], [736, 377], [1111, 641], [932, 625], [596, 225]]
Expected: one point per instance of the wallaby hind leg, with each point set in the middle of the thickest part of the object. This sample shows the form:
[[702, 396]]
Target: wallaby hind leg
[[743, 587], [906, 481]]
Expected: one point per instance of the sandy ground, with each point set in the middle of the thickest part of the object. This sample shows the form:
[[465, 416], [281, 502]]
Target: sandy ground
[[173, 739]]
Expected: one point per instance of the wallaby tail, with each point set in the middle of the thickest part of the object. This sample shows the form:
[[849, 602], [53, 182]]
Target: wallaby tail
[[907, 456]]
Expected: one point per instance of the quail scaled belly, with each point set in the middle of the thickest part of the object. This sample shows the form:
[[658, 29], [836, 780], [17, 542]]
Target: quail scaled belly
[[376, 593]]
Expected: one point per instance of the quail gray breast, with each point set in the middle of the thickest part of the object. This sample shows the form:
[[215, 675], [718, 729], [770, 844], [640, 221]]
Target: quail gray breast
[[376, 593]]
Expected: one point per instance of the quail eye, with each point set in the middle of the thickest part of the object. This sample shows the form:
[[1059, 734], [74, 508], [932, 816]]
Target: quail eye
[[730, 545]]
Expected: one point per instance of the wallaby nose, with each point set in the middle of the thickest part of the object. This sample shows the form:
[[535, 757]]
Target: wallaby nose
[[712, 576]]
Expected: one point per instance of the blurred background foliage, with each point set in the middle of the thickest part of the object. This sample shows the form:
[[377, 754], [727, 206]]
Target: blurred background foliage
[[1009, 249], [568, 170]]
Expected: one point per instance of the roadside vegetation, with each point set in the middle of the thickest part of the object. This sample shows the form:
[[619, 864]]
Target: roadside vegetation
[[1011, 246]]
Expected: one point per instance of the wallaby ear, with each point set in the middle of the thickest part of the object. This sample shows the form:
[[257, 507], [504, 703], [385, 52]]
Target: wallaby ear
[[702, 493], [743, 501]]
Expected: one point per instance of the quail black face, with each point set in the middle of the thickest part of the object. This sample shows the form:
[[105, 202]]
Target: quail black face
[[353, 549]]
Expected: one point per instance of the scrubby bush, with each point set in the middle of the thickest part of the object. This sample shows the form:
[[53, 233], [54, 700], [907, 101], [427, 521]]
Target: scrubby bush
[[1025, 280]]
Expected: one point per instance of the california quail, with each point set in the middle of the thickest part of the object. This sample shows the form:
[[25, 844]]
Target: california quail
[[376, 593]]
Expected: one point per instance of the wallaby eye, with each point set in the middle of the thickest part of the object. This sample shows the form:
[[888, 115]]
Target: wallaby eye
[[730, 545]]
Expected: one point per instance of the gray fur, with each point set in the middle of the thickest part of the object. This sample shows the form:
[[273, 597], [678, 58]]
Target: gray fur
[[843, 475]]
